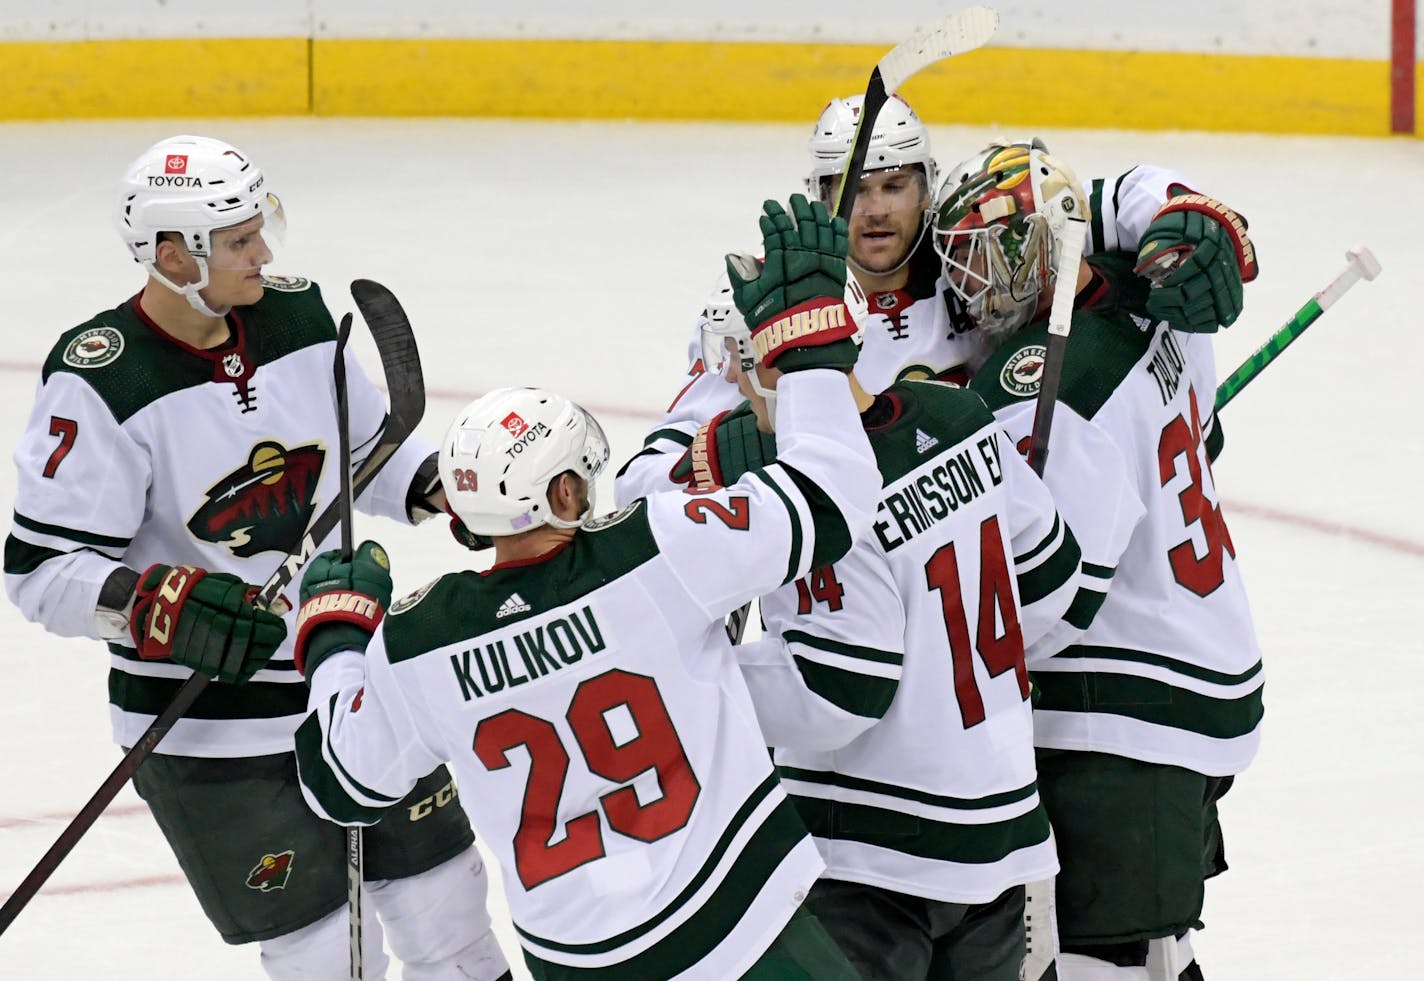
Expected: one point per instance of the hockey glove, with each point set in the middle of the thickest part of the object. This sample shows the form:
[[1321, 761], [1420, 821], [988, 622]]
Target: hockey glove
[[727, 446], [797, 303], [204, 621], [1197, 255], [342, 604]]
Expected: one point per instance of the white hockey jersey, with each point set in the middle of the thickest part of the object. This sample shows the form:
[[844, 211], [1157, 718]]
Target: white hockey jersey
[[1168, 670], [141, 449], [892, 683], [910, 334], [602, 737]]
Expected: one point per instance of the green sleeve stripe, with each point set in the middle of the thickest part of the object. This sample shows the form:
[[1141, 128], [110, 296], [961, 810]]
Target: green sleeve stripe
[[150, 695], [22, 558], [793, 564], [362, 788], [1099, 571], [838, 647], [1052, 573], [1215, 440], [1148, 700], [850, 691], [1183, 668], [832, 534], [828, 778], [73, 535], [671, 435], [1095, 207], [319, 778], [1085, 606], [1047, 542], [922, 837]]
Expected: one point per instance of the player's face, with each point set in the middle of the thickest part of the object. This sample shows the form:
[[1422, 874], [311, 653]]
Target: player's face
[[237, 255], [887, 218]]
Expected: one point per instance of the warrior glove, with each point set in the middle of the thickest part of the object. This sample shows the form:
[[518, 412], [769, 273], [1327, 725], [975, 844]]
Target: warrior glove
[[343, 601], [1197, 255], [727, 446], [796, 305]]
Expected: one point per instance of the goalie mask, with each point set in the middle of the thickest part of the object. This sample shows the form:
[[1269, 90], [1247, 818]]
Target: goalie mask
[[504, 449], [998, 230], [194, 186]]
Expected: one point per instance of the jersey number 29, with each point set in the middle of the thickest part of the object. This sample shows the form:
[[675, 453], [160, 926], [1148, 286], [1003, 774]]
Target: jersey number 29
[[616, 758]]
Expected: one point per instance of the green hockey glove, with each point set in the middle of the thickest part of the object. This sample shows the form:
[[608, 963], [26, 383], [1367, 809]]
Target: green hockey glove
[[727, 446], [204, 621], [796, 301], [1197, 254], [342, 604]]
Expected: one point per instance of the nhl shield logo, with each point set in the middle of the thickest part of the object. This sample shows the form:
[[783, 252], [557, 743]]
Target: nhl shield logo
[[1023, 372], [94, 348], [232, 364], [272, 872]]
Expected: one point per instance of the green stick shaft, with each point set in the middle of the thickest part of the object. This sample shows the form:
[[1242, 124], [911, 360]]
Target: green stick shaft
[[1267, 352]]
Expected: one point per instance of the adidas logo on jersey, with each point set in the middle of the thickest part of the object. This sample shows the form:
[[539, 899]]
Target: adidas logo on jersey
[[924, 442], [515, 604]]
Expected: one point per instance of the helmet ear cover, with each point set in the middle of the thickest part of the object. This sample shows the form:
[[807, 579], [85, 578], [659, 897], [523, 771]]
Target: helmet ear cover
[[505, 448]]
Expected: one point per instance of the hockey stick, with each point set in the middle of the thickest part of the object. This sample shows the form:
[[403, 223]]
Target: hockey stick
[[354, 845], [1362, 265], [1060, 321], [401, 363], [956, 33]]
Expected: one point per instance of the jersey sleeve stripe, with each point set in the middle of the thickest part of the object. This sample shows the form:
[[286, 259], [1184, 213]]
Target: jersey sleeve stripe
[[668, 435], [1052, 573], [1149, 700], [23, 558], [1095, 208], [322, 781], [71, 534], [831, 538], [850, 691], [1051, 540], [844, 781], [1125, 658], [1084, 608], [847, 650], [795, 560]]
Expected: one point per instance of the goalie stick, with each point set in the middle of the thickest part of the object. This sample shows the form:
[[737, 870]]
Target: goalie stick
[[954, 34], [400, 361], [1362, 265], [1060, 321]]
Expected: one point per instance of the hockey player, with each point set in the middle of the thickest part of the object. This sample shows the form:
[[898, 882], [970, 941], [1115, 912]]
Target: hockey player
[[1142, 723], [892, 682], [583, 687], [178, 447], [912, 330]]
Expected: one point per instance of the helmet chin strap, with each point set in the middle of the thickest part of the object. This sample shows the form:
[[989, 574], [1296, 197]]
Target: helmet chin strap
[[190, 291]]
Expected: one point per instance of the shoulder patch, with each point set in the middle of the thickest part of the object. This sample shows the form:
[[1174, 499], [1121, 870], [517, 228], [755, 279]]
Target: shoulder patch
[[287, 284], [94, 348], [606, 521], [1023, 372], [409, 600]]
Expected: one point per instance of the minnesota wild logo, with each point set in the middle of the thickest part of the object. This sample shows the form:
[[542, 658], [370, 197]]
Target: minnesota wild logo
[[263, 506], [272, 872]]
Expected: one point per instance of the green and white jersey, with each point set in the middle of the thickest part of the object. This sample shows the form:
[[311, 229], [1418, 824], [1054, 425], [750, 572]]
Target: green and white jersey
[[602, 736], [892, 683], [1168, 669], [141, 449], [910, 334]]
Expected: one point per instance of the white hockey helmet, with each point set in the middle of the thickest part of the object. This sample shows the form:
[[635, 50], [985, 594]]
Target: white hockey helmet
[[899, 139], [192, 186], [504, 448], [998, 230]]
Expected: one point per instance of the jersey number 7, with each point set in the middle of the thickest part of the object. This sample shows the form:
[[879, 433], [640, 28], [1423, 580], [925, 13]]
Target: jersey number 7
[[617, 759]]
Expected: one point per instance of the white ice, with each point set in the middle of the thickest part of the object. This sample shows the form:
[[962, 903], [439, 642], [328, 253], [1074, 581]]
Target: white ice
[[574, 256]]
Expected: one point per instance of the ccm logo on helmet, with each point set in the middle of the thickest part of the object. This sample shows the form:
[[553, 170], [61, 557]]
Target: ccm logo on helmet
[[527, 439]]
